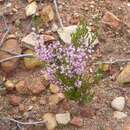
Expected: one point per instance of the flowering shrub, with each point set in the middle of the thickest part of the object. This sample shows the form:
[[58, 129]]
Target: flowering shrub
[[67, 64]]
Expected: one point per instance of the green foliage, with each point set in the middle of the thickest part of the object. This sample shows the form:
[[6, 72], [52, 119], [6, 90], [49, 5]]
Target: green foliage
[[98, 75], [65, 80], [18, 23], [82, 32], [37, 22], [84, 93]]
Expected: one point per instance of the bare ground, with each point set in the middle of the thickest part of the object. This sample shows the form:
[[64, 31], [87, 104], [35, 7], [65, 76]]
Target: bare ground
[[113, 44]]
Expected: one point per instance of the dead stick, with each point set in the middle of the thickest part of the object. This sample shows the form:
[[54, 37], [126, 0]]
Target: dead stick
[[113, 61], [6, 33], [58, 15], [24, 123], [2, 40], [17, 56]]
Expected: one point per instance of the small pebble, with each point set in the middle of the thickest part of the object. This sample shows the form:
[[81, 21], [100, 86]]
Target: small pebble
[[118, 103]]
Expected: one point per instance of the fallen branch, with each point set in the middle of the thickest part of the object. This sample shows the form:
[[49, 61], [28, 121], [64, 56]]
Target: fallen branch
[[112, 61], [17, 56], [6, 33], [24, 123], [57, 13]]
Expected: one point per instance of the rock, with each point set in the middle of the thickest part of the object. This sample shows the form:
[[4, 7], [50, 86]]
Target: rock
[[118, 103], [87, 111], [66, 105], [42, 102], [65, 34], [77, 121], [36, 87], [54, 88], [124, 76], [48, 38], [127, 128], [126, 125], [21, 108], [34, 99], [119, 115], [30, 108], [51, 121], [104, 67], [63, 118], [21, 87], [29, 1], [30, 40], [14, 100], [54, 27], [108, 128], [12, 46], [128, 102], [47, 14], [31, 62], [9, 85], [31, 8], [111, 20], [56, 98]]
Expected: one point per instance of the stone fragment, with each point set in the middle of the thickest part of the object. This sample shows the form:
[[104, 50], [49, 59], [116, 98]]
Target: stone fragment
[[111, 20], [21, 108], [50, 120], [9, 85], [31, 8], [77, 121], [54, 88], [47, 14], [29, 1], [14, 100], [87, 111], [119, 115], [124, 76], [30, 40], [12, 46], [118, 103], [36, 87], [55, 98], [63, 118], [31, 62], [21, 87]]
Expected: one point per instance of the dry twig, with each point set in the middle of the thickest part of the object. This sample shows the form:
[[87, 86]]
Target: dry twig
[[24, 123], [6, 33], [16, 56], [57, 13], [113, 61]]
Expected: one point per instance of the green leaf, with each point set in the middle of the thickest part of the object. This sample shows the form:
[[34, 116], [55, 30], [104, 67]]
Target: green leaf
[[73, 94], [65, 79]]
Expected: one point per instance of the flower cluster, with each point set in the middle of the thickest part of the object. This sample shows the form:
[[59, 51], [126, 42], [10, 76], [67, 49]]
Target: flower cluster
[[64, 58], [66, 64]]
